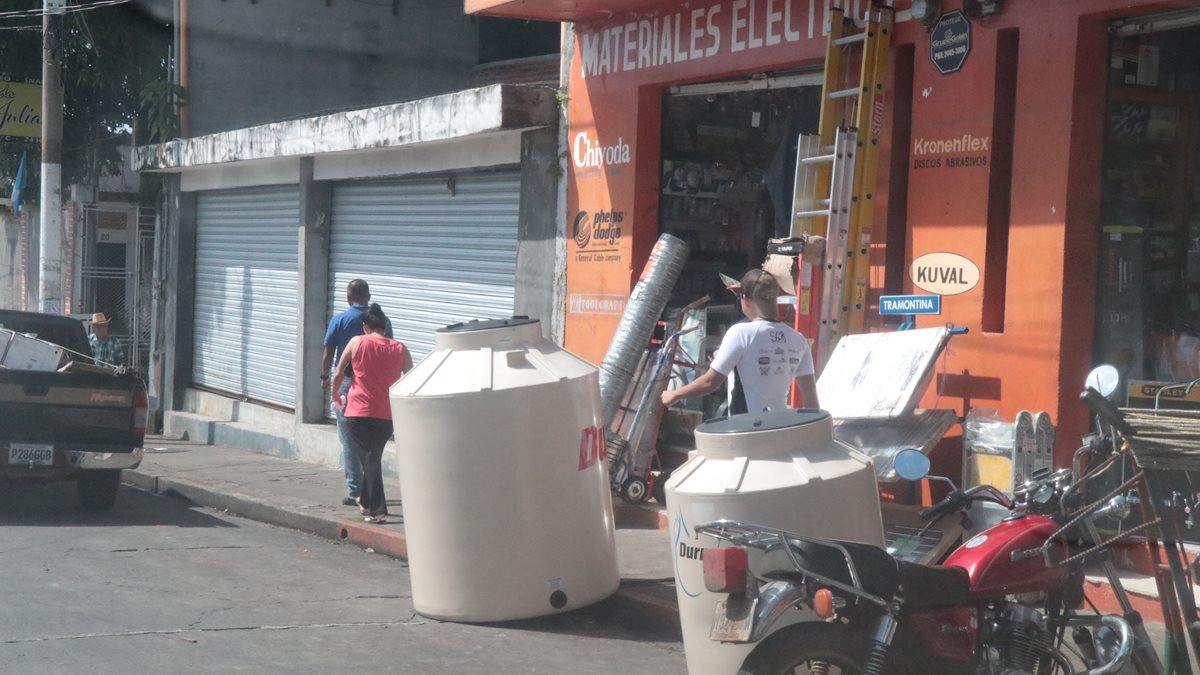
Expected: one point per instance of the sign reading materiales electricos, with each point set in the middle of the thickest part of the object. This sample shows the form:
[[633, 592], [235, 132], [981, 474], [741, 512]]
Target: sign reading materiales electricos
[[20, 110]]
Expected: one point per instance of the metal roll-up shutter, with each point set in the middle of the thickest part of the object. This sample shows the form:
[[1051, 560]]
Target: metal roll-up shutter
[[435, 251], [247, 244]]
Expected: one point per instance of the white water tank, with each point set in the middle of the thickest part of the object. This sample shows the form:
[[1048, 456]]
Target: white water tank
[[780, 469], [506, 502]]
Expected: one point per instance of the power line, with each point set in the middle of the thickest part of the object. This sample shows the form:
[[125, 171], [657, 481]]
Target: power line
[[69, 9]]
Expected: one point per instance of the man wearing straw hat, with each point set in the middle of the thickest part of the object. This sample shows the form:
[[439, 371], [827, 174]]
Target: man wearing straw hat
[[105, 347]]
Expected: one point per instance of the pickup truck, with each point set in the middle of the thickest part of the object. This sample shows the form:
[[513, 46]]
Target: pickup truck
[[83, 422]]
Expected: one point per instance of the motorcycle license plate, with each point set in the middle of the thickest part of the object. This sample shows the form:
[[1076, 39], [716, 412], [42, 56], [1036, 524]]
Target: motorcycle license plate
[[734, 620], [25, 453]]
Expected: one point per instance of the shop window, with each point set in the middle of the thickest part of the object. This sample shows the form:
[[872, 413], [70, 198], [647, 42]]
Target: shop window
[[995, 273], [1148, 282]]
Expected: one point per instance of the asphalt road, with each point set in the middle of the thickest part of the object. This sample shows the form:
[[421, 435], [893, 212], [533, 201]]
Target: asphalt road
[[160, 586]]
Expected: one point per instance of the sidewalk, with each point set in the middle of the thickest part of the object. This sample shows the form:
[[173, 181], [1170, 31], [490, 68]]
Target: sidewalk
[[306, 497]]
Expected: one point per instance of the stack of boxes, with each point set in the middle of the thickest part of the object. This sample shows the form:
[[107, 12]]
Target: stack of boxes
[[22, 352]]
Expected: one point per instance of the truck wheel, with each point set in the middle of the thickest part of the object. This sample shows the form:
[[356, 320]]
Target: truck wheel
[[98, 489]]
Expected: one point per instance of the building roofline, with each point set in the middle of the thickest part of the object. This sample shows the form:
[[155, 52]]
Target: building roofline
[[457, 115]]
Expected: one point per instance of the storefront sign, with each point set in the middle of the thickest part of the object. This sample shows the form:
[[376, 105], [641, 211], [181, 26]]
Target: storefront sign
[[944, 273], [950, 42], [20, 110], [704, 32], [1145, 394], [910, 304], [957, 152], [597, 303], [597, 235], [589, 153]]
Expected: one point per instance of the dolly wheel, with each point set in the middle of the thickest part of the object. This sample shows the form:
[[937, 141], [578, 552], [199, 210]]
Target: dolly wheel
[[634, 491]]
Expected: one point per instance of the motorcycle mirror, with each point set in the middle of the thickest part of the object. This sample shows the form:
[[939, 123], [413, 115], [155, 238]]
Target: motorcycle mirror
[[911, 464], [1103, 379]]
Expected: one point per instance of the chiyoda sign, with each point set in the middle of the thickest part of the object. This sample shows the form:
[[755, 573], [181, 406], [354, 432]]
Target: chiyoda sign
[[706, 32]]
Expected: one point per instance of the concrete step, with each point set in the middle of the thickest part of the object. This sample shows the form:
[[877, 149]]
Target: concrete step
[[189, 426]]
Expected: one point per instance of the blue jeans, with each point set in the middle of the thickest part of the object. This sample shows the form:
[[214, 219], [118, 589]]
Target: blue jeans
[[351, 460]]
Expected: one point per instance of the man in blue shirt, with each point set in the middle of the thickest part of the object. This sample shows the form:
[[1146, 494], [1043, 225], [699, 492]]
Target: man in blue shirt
[[342, 327]]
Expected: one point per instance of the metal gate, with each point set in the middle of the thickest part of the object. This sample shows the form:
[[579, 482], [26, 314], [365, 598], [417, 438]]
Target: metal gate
[[435, 251], [116, 267], [247, 243]]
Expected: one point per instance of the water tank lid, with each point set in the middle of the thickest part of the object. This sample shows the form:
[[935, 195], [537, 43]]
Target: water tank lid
[[764, 421], [487, 324]]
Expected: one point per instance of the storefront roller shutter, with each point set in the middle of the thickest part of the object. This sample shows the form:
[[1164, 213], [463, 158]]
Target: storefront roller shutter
[[435, 251], [246, 307]]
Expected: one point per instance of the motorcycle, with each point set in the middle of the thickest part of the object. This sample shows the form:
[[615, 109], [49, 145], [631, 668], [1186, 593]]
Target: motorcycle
[[1000, 604]]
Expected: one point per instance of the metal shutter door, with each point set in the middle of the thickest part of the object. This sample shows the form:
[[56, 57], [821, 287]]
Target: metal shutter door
[[247, 243], [432, 258]]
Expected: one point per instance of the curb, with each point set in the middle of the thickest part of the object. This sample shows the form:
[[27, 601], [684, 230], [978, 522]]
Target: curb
[[628, 602]]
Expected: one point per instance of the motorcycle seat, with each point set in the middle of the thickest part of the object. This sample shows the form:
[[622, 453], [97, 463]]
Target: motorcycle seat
[[879, 573]]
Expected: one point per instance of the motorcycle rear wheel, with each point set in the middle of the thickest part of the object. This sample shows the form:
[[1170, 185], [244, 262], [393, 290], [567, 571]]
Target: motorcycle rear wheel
[[807, 648]]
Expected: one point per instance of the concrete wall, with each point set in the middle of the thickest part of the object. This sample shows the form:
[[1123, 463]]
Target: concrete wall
[[256, 61], [538, 228], [10, 261]]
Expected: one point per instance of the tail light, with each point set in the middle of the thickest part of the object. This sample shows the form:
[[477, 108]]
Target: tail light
[[725, 569], [141, 409]]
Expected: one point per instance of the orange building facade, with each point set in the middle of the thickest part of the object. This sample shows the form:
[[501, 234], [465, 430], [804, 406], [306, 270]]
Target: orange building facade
[[1000, 162]]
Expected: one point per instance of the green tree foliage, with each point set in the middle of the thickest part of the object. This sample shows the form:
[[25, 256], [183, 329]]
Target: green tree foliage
[[116, 81]]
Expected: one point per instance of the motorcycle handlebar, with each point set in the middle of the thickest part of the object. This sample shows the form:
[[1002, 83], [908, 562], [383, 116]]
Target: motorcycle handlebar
[[953, 502], [1108, 413]]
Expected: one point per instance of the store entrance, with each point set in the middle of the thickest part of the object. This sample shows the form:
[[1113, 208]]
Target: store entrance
[[728, 164], [1148, 303]]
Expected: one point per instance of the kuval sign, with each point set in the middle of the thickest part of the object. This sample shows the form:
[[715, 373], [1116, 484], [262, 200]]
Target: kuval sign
[[910, 304], [944, 273], [950, 42], [20, 110]]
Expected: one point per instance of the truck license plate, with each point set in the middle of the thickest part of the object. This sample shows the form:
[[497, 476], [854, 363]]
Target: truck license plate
[[734, 619], [38, 455]]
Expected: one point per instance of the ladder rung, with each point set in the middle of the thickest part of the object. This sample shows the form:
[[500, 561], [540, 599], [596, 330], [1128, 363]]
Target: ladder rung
[[811, 214], [845, 93], [850, 39], [818, 159]]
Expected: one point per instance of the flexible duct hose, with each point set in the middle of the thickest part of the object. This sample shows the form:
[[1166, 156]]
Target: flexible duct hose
[[645, 306]]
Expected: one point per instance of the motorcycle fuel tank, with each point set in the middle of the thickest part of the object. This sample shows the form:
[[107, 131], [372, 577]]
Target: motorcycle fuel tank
[[988, 558]]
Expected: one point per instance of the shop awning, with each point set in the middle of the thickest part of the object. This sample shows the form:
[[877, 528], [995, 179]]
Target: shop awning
[[563, 10]]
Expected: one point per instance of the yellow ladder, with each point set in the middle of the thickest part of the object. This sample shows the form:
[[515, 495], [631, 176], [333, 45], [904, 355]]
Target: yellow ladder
[[836, 171]]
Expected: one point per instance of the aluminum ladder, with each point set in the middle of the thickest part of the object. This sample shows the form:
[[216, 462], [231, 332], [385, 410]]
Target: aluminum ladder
[[836, 170]]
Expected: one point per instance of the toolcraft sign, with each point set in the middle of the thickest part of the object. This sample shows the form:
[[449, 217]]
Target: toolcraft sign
[[950, 42], [944, 273], [910, 304]]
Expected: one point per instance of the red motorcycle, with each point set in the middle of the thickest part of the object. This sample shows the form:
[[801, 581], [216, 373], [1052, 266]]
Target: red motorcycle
[[1001, 604]]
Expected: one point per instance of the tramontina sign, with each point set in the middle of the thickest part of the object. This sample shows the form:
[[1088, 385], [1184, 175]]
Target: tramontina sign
[[950, 42]]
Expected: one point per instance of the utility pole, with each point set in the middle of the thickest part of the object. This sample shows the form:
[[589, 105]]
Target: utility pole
[[50, 247]]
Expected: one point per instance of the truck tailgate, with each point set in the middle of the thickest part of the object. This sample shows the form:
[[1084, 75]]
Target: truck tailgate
[[68, 410]]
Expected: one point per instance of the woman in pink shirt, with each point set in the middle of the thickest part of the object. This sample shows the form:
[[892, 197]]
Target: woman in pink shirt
[[378, 361]]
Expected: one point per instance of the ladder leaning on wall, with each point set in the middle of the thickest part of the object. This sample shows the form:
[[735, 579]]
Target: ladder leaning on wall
[[834, 190]]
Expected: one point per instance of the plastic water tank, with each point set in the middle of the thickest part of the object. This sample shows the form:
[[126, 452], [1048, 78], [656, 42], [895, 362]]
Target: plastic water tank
[[780, 469], [506, 501]]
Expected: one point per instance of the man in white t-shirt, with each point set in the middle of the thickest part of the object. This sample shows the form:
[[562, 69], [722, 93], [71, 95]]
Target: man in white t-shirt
[[764, 356]]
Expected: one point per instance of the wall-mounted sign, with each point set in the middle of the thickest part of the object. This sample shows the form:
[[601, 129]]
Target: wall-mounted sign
[[910, 304], [111, 235], [20, 110], [944, 273], [950, 42]]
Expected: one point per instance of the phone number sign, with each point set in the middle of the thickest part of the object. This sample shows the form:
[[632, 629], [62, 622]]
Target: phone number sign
[[950, 42]]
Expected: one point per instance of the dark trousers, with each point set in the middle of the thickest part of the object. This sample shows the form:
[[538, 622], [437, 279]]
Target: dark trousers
[[368, 435]]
